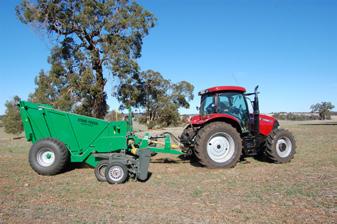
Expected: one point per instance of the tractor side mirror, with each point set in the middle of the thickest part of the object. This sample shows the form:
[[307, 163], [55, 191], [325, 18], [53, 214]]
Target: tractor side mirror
[[197, 108]]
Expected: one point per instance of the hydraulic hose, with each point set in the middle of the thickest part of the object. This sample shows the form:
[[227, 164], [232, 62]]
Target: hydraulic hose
[[174, 138]]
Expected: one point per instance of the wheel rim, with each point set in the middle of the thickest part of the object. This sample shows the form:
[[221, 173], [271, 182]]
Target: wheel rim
[[284, 147], [220, 147], [45, 157], [116, 173]]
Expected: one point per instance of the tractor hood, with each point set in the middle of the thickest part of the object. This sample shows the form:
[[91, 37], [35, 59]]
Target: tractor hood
[[267, 124]]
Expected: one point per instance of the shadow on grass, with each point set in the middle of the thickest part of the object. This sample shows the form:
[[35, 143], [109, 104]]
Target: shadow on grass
[[167, 161], [76, 166], [183, 159], [149, 175], [262, 158], [192, 160]]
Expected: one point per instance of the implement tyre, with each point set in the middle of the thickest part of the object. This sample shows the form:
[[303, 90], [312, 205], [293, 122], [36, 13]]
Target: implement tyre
[[100, 170], [48, 157], [116, 173]]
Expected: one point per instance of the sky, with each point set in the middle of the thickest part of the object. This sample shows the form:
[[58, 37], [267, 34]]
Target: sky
[[287, 47]]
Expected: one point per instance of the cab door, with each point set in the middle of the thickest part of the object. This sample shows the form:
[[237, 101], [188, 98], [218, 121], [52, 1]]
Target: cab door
[[234, 104]]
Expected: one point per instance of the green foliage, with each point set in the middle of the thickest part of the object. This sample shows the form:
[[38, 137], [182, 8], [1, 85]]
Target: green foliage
[[95, 34], [182, 92], [157, 96], [12, 120], [65, 91], [323, 109], [169, 115], [51, 90]]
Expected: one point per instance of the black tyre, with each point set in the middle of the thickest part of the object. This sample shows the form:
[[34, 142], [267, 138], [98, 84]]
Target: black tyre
[[187, 136], [218, 145], [280, 146], [48, 157], [116, 173], [100, 170]]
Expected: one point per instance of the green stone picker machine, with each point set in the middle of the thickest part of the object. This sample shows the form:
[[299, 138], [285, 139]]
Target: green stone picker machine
[[218, 137]]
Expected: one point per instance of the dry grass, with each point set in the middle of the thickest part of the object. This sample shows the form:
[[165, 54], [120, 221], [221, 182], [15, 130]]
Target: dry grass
[[303, 191]]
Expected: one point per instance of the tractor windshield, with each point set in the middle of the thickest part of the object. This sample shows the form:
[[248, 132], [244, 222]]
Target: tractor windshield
[[233, 104], [207, 105]]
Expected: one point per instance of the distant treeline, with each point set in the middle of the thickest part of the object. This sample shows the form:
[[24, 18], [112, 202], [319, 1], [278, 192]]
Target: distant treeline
[[296, 116]]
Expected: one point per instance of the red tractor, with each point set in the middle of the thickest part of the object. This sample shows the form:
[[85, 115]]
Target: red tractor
[[225, 130]]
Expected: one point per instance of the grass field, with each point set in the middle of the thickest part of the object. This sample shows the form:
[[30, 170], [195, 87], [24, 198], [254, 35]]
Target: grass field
[[303, 191]]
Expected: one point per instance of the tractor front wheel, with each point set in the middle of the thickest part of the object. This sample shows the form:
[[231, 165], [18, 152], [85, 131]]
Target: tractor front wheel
[[218, 145], [280, 146]]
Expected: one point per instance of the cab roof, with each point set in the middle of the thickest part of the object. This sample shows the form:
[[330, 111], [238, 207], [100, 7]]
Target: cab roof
[[223, 89]]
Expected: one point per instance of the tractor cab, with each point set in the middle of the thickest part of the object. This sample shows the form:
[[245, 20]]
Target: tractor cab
[[228, 101], [231, 104]]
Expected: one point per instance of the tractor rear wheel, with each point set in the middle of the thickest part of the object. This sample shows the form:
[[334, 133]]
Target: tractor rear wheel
[[48, 157], [280, 146], [218, 145]]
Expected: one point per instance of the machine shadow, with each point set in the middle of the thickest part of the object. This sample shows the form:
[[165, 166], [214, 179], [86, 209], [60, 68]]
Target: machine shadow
[[149, 175], [261, 158], [168, 161], [183, 160], [194, 162], [76, 166], [190, 159]]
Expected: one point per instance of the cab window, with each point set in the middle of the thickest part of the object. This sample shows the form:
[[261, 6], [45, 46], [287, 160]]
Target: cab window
[[207, 105], [233, 104]]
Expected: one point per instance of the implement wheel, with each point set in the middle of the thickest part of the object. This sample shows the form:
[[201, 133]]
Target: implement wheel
[[116, 173], [48, 157], [100, 170]]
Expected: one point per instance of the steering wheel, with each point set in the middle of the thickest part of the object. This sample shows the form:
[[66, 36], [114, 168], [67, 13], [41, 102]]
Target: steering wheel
[[222, 107], [234, 110], [210, 108]]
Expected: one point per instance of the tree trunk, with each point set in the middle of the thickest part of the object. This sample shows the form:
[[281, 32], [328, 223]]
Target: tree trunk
[[100, 105]]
